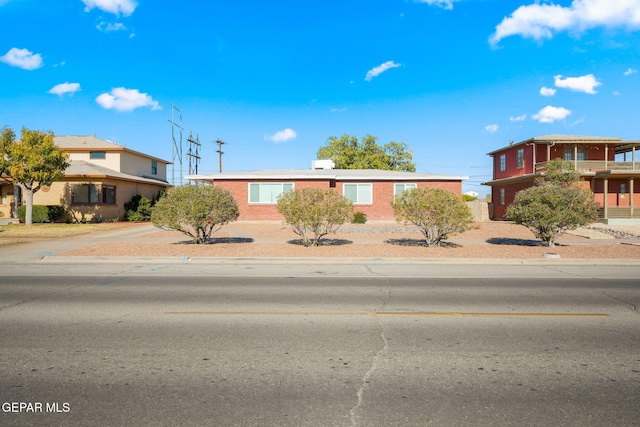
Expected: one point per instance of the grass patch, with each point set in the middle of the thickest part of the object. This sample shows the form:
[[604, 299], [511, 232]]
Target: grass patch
[[13, 231]]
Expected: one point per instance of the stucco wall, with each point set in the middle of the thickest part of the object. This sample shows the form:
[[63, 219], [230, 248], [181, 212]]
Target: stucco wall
[[60, 194], [133, 164], [111, 160]]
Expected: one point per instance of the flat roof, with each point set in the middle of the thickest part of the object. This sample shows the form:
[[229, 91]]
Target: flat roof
[[335, 174]]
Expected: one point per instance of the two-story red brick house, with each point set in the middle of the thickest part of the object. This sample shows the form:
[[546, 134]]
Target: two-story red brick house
[[609, 166], [370, 190]]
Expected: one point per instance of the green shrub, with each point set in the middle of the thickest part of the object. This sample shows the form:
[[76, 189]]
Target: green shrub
[[197, 211], [40, 213], [359, 218], [139, 207], [314, 212], [56, 213], [438, 213]]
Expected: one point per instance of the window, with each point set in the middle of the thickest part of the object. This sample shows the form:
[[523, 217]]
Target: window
[[97, 155], [267, 192], [503, 162], [84, 194], [87, 194], [570, 151], [520, 158], [109, 194], [501, 197], [359, 194], [623, 190], [582, 153], [401, 188], [154, 167]]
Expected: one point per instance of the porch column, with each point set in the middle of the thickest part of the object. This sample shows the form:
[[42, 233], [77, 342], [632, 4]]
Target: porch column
[[575, 156], [633, 157], [606, 157], [605, 193], [548, 152], [631, 196]]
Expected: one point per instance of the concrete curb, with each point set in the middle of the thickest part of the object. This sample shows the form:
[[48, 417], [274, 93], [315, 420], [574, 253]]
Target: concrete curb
[[333, 261]]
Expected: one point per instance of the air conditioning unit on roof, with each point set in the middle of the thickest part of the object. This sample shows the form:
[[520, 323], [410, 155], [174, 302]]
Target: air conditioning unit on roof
[[323, 164]]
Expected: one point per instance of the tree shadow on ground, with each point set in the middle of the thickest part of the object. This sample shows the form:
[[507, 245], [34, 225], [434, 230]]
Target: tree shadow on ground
[[514, 242], [217, 240], [323, 242], [420, 242]]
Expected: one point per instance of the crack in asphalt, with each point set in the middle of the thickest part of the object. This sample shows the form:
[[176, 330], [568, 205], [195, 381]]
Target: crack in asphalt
[[633, 306], [374, 364]]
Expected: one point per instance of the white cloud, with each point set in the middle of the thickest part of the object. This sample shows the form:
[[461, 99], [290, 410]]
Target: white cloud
[[22, 58], [630, 71], [376, 71], [542, 21], [547, 91], [283, 135], [122, 99], [338, 110], [586, 84], [550, 114], [518, 118], [616, 93], [445, 4], [491, 128], [117, 7], [109, 27], [64, 88]]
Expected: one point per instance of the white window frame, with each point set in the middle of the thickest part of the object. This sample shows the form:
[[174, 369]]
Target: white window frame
[[360, 189], [501, 197], [406, 185], [503, 162], [282, 185]]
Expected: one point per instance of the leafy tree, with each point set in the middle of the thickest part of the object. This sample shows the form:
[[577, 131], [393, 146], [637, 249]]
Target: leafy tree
[[313, 213], [32, 162], [197, 211], [555, 205], [559, 172], [349, 153], [438, 213]]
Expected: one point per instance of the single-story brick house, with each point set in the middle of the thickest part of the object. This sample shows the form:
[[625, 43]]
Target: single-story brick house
[[101, 178], [370, 190]]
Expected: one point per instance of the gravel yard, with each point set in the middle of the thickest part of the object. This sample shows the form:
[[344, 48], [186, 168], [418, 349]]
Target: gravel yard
[[377, 240]]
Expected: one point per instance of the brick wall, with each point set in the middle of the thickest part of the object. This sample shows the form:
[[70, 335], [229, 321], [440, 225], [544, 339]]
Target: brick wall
[[380, 209]]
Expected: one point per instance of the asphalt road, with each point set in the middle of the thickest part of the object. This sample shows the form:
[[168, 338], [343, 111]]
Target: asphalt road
[[320, 349]]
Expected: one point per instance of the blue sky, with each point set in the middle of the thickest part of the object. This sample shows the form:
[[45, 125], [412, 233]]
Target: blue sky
[[453, 79]]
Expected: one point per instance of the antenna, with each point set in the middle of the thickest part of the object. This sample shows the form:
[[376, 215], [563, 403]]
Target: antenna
[[176, 148], [219, 151]]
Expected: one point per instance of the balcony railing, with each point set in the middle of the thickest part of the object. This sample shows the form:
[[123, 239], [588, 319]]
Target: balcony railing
[[615, 212], [596, 165]]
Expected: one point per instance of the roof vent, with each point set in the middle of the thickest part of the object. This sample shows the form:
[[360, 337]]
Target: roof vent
[[323, 164]]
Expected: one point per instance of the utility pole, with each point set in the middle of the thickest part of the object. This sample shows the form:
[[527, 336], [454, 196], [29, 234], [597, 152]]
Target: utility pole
[[194, 153], [220, 152]]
